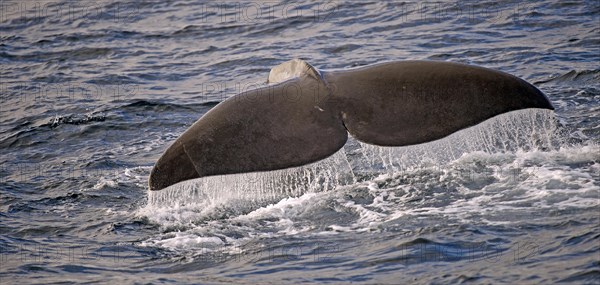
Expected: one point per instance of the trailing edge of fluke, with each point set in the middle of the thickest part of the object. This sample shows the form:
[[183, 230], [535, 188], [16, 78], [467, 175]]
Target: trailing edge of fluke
[[305, 115]]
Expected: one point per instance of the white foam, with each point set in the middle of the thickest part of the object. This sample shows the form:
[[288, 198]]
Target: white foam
[[284, 209], [103, 183], [184, 241], [242, 193], [513, 163]]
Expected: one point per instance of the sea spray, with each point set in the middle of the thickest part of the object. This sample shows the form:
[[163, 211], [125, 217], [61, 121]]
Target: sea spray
[[226, 195]]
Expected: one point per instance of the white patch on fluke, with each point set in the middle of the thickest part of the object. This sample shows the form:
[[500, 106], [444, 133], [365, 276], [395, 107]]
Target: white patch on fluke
[[291, 69]]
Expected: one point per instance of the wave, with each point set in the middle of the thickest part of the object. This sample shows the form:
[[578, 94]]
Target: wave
[[573, 77]]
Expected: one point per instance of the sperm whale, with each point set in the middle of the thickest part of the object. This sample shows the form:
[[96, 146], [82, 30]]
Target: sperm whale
[[305, 115]]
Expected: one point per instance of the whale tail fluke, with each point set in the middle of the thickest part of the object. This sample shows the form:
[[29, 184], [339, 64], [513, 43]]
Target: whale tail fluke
[[307, 114]]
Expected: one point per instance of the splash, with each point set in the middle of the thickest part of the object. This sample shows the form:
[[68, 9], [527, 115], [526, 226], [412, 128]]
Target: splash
[[524, 130], [241, 193], [232, 195]]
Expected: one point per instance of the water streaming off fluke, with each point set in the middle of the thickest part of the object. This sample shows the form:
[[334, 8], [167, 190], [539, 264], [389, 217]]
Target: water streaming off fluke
[[227, 195]]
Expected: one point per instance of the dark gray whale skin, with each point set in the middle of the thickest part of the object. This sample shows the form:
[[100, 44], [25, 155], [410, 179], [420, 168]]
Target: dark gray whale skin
[[308, 117]]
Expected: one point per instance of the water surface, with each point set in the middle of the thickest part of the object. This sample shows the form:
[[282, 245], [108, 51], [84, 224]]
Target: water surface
[[93, 92]]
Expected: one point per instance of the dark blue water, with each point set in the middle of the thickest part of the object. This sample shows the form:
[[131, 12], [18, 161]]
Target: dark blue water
[[93, 92]]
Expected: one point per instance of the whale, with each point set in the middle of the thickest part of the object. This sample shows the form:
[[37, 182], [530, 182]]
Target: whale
[[304, 115]]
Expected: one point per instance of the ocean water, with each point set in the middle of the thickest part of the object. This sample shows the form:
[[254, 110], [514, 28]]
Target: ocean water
[[93, 92]]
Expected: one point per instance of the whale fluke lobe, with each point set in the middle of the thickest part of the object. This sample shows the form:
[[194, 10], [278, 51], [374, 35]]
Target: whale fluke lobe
[[412, 102], [307, 114], [275, 127]]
